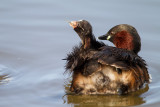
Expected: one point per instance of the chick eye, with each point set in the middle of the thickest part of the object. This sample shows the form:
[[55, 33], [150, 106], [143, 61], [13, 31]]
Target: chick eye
[[82, 28]]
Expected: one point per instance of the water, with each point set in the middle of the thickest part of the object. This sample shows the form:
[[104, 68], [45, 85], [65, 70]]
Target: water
[[35, 36]]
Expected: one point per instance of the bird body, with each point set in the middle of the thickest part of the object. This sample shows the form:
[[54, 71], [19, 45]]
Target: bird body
[[101, 69]]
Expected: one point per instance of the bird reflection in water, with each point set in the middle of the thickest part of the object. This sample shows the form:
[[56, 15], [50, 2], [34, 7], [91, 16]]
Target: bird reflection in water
[[134, 98]]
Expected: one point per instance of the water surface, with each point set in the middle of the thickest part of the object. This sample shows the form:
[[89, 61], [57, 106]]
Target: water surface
[[35, 36]]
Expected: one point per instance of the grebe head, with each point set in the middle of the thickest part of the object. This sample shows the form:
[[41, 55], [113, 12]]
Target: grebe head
[[124, 36]]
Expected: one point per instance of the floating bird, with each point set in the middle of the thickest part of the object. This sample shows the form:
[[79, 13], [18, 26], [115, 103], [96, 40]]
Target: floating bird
[[101, 69]]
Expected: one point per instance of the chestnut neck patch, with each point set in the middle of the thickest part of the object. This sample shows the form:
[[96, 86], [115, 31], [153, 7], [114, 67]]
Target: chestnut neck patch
[[124, 40]]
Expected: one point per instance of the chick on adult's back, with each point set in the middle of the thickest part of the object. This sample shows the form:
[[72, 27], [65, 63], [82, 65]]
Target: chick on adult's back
[[101, 69]]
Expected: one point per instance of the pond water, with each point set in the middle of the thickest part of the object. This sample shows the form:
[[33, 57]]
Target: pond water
[[35, 37]]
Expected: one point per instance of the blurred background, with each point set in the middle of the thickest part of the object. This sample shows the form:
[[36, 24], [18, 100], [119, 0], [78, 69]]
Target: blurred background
[[35, 36]]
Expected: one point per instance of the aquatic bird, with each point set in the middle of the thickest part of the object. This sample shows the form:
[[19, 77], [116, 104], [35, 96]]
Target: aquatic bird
[[100, 69], [124, 36]]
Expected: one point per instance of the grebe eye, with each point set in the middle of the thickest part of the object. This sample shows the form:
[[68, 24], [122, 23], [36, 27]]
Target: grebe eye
[[112, 33]]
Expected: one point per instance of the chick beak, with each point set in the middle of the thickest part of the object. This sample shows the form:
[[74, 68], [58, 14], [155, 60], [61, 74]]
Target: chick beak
[[73, 24]]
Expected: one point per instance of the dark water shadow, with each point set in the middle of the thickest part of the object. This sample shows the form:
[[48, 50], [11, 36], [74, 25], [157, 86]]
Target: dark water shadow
[[4, 75], [3, 78], [131, 99]]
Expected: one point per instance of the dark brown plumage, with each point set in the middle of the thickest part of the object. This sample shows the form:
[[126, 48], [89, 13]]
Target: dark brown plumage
[[102, 69]]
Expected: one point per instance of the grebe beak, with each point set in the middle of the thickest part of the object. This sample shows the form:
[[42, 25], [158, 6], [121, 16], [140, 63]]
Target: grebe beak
[[103, 37]]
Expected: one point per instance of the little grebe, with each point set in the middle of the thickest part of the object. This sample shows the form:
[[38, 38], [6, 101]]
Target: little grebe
[[124, 36], [102, 69]]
